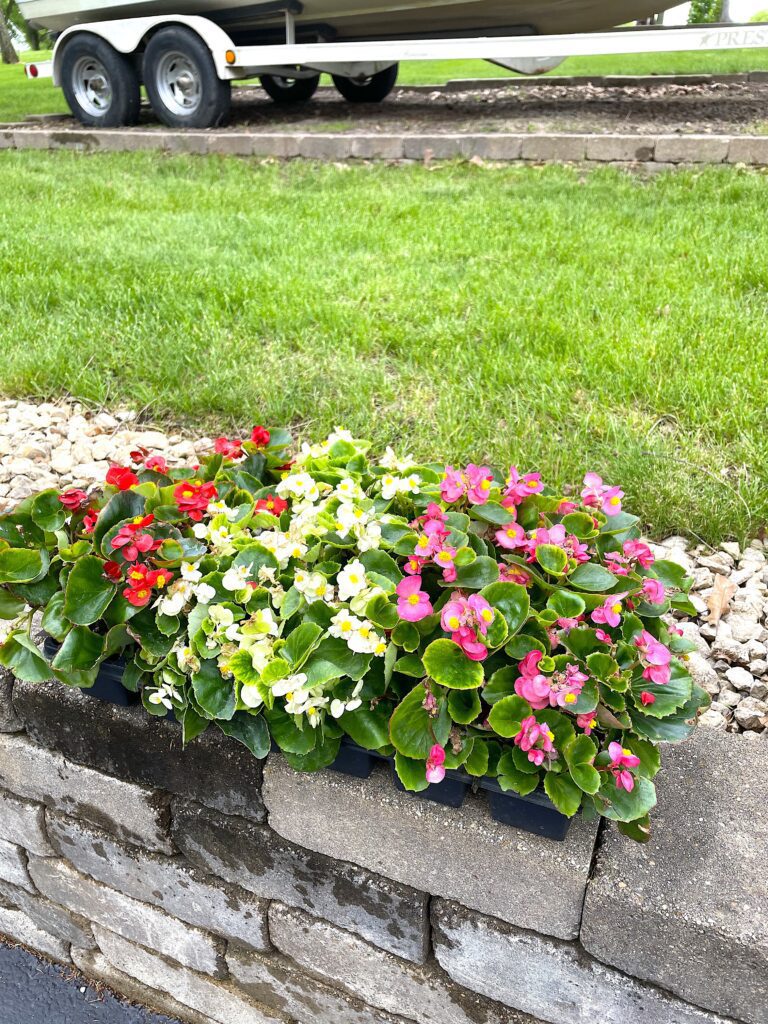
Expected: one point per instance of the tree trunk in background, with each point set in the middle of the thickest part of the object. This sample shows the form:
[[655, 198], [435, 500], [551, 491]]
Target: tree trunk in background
[[7, 52], [725, 11]]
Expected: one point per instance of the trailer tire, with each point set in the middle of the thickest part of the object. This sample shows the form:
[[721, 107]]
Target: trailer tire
[[181, 80], [289, 90], [99, 84], [370, 90]]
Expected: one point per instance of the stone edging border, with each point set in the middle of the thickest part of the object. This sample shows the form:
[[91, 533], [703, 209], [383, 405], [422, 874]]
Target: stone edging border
[[656, 151]]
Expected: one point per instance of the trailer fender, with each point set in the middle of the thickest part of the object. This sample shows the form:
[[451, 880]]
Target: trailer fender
[[127, 35]]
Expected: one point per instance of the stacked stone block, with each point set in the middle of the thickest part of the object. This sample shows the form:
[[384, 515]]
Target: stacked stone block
[[190, 880]]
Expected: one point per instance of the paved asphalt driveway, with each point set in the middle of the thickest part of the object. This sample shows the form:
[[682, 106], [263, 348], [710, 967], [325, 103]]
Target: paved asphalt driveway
[[33, 991]]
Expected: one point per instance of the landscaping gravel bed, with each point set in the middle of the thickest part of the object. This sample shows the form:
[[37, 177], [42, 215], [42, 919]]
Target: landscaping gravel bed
[[65, 445], [711, 107]]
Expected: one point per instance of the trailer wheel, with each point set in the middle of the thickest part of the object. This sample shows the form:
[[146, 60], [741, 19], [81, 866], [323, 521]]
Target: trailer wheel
[[100, 85], [368, 90], [181, 81], [289, 90]]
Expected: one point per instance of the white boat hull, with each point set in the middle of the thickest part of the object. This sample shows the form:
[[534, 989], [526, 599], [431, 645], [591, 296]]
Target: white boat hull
[[365, 18]]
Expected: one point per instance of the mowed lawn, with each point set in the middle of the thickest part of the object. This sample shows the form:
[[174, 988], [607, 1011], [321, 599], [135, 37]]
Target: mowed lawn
[[20, 96], [561, 320]]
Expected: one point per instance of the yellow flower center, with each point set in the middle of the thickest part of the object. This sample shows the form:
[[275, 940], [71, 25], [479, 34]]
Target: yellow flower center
[[289, 695], [142, 593], [346, 626], [413, 599], [137, 519], [485, 485], [453, 622], [570, 698], [550, 735], [614, 500], [616, 608], [626, 753], [443, 556], [593, 724], [364, 632], [486, 615], [187, 494]]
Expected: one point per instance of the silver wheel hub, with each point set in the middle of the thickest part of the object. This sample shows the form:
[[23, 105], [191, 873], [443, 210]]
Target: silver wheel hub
[[92, 86], [178, 83]]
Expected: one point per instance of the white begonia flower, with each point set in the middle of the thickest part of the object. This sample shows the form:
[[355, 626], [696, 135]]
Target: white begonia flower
[[163, 694], [236, 577], [349, 489], [338, 707], [173, 601], [365, 639], [340, 434], [296, 701], [314, 586], [343, 625], [190, 572], [312, 709], [221, 616], [186, 658], [250, 696], [267, 574], [283, 687], [290, 548], [351, 580], [204, 593], [392, 485], [217, 508], [200, 530], [233, 634], [299, 485], [369, 537], [390, 461], [261, 652]]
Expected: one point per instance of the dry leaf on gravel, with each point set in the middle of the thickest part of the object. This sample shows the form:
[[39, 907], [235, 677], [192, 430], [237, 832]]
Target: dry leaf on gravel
[[720, 598]]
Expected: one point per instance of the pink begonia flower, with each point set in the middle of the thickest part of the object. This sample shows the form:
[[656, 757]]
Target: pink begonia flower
[[435, 762], [511, 536], [482, 611], [609, 613], [414, 565], [463, 617], [566, 506], [657, 656], [480, 481], [639, 552], [461, 611], [433, 511], [617, 563], [520, 487], [514, 574], [587, 723], [596, 494], [611, 501], [647, 698], [569, 624], [603, 636], [536, 740], [453, 485], [654, 590], [413, 603], [566, 687], [676, 630], [444, 559], [532, 685], [467, 640], [622, 759]]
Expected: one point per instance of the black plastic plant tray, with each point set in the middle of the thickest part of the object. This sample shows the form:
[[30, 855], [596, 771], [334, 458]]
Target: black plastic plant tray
[[109, 681], [534, 813]]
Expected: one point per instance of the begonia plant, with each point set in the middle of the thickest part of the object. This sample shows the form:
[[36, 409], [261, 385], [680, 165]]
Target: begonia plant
[[456, 618]]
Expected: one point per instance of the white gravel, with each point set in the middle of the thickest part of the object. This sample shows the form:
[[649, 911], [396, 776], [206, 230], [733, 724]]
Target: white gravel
[[67, 445]]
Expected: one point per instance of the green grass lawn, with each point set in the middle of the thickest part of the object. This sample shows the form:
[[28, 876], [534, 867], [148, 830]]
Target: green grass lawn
[[20, 96], [561, 320]]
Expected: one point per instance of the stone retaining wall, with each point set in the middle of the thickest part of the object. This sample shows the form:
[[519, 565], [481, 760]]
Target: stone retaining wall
[[653, 151], [223, 894]]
